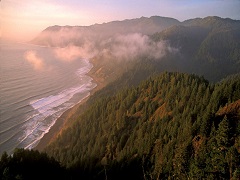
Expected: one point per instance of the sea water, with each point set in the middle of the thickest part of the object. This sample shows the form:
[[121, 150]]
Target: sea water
[[32, 98]]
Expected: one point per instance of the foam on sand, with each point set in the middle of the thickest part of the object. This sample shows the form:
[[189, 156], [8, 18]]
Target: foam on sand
[[48, 109]]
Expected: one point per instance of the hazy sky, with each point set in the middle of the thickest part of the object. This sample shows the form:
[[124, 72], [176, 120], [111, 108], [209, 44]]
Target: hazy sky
[[22, 20]]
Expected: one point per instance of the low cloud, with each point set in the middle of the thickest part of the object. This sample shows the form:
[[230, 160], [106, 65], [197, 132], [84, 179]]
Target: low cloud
[[134, 45], [120, 47], [33, 59], [71, 52], [78, 42]]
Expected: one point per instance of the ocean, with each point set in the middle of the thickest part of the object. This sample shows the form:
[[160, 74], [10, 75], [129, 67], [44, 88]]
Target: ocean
[[36, 88]]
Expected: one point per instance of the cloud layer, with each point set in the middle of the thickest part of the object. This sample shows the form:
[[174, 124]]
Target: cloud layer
[[136, 45], [71, 52], [72, 43], [75, 44], [34, 60]]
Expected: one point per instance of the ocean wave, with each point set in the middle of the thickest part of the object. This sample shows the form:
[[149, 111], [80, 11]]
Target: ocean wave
[[32, 101], [44, 105], [15, 135], [35, 132], [20, 104], [84, 70], [48, 109]]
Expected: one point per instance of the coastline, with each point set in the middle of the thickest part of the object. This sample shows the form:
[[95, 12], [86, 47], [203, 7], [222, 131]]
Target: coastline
[[62, 121]]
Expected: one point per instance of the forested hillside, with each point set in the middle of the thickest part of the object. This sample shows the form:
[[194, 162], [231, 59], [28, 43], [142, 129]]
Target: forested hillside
[[172, 125], [208, 47], [29, 164], [168, 107]]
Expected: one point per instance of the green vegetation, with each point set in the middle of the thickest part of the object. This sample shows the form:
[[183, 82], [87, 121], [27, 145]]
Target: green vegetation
[[29, 164], [172, 125], [166, 127]]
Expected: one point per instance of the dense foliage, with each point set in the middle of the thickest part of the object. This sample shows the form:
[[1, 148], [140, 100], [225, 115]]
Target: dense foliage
[[29, 164], [171, 125]]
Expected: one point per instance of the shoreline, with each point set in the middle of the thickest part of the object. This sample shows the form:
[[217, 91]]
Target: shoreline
[[62, 121]]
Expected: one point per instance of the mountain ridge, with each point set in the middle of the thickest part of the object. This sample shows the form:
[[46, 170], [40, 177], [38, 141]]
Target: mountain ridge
[[194, 21], [100, 32], [135, 20], [174, 116], [203, 44]]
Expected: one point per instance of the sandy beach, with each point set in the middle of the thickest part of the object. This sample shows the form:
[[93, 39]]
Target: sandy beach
[[64, 119]]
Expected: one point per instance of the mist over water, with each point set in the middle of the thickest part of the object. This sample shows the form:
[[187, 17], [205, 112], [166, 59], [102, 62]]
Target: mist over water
[[36, 87]]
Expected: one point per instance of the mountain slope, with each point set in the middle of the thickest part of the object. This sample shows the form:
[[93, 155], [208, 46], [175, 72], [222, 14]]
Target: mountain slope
[[171, 126], [29, 164], [78, 35], [208, 47], [167, 126], [205, 46]]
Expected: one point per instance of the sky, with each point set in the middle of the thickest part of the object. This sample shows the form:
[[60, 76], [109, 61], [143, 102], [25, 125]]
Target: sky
[[22, 20]]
